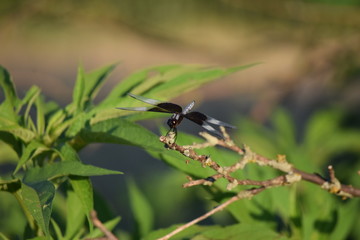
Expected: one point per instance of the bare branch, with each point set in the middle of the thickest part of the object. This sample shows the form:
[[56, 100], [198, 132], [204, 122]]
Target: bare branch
[[241, 195], [97, 223]]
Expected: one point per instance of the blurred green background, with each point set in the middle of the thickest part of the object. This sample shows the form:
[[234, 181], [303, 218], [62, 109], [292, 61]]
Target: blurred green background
[[309, 50]]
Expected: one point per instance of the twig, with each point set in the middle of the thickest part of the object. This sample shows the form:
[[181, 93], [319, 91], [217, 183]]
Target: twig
[[281, 164], [97, 223], [291, 176], [241, 195]]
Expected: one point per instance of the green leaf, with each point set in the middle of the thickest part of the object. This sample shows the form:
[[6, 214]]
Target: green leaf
[[32, 150], [82, 185], [79, 90], [284, 129], [57, 230], [54, 120], [40, 115], [77, 125], [163, 82], [347, 217], [29, 100], [84, 190], [190, 80], [96, 233], [64, 168], [255, 231], [141, 209], [321, 126], [75, 215], [38, 199], [20, 132], [119, 131], [3, 237], [94, 80], [8, 87], [131, 82], [188, 233]]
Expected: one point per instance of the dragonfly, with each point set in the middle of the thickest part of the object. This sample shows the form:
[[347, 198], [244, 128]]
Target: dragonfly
[[178, 114]]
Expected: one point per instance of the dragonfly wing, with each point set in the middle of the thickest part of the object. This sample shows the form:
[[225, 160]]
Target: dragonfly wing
[[134, 108], [144, 99], [218, 122], [211, 129], [188, 108], [200, 118], [158, 105]]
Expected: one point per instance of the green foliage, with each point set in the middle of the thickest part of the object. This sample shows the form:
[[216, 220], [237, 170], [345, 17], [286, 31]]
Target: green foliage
[[44, 138], [53, 189], [301, 211]]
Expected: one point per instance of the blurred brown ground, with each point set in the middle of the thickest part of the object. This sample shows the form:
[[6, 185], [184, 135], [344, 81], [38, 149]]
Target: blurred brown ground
[[301, 45]]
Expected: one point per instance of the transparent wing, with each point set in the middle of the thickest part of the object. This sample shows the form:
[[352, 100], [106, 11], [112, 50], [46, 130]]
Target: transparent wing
[[144, 99], [188, 108], [158, 105], [201, 118]]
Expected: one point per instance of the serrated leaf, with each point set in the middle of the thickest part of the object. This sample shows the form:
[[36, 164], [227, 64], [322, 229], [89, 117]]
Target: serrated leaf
[[38, 199], [141, 210], [64, 168]]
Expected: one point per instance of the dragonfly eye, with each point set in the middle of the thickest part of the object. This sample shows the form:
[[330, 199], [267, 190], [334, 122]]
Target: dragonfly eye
[[171, 123]]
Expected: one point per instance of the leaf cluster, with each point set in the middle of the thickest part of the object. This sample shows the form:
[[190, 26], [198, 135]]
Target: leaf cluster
[[41, 140]]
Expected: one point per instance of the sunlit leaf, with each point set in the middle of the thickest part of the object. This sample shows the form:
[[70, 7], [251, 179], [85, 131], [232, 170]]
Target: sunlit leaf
[[40, 115], [94, 80], [20, 132]]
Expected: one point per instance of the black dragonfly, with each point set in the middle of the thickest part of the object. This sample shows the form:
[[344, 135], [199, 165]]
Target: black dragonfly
[[178, 114]]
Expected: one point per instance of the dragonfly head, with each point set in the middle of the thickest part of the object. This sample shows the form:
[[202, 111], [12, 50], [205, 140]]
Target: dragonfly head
[[172, 123]]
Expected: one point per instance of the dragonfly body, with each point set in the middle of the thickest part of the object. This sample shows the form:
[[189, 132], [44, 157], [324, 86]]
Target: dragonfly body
[[178, 114]]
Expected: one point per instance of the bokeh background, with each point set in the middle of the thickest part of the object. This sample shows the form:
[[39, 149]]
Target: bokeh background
[[309, 52]]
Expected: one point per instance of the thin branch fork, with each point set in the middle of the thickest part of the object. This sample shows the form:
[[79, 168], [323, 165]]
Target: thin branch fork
[[293, 174]]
